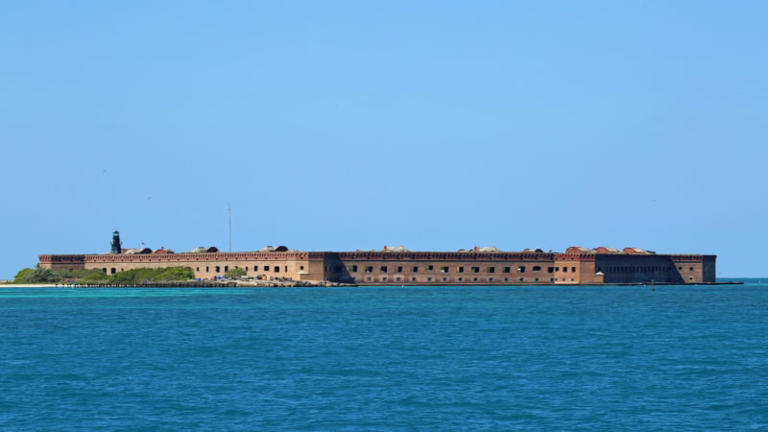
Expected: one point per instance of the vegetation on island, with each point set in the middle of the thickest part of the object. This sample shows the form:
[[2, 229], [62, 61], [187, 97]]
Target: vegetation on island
[[44, 275], [235, 273], [141, 275], [163, 274]]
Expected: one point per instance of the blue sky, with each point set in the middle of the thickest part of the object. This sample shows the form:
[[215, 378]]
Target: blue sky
[[351, 125]]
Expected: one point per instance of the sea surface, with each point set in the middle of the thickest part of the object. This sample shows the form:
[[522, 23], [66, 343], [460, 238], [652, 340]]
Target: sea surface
[[610, 358]]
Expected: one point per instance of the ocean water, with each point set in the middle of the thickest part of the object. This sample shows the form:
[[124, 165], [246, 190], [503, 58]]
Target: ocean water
[[386, 358]]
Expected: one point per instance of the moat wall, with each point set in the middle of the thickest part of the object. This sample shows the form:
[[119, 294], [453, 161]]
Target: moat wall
[[417, 268]]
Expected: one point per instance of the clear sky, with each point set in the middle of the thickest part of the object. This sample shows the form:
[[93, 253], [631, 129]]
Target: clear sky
[[353, 125]]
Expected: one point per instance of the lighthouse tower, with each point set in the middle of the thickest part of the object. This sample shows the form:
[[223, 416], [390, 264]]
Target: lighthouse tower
[[116, 245]]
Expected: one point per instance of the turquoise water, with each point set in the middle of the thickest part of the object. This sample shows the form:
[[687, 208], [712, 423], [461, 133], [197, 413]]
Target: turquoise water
[[400, 359]]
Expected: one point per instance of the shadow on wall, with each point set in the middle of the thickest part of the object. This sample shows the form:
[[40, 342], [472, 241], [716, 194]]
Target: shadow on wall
[[624, 269], [335, 270]]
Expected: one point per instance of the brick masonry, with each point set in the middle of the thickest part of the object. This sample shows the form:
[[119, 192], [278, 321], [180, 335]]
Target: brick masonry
[[418, 268]]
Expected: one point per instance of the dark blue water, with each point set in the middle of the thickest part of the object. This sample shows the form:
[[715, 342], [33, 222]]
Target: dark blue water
[[530, 358]]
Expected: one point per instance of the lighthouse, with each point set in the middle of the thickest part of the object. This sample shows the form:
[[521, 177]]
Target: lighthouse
[[116, 245]]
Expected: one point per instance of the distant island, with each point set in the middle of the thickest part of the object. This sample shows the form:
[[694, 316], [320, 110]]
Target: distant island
[[388, 266]]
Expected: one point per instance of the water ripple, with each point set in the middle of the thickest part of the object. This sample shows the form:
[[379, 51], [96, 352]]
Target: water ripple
[[386, 359]]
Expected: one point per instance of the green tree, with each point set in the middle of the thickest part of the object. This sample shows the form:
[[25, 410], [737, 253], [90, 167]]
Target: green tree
[[89, 275], [162, 274], [23, 276], [235, 273], [37, 275], [175, 274]]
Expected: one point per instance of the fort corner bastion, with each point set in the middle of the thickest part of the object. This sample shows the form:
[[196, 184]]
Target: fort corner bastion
[[398, 266]]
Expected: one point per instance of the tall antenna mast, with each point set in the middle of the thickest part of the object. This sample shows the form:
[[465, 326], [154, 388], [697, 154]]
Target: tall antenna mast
[[229, 224]]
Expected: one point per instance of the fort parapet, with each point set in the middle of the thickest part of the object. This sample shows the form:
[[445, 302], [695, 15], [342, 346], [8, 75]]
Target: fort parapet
[[574, 267]]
